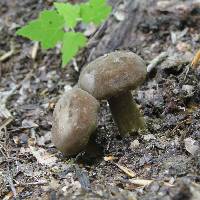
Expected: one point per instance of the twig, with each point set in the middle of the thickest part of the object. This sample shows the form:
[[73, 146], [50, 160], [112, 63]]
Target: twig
[[75, 65], [31, 183], [6, 95], [2, 151], [187, 69], [156, 61], [102, 28], [196, 60], [5, 123], [94, 38], [127, 171], [99, 32], [9, 53], [179, 124], [34, 50], [10, 181]]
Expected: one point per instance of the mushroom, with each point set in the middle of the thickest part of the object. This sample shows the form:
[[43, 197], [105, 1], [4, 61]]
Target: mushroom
[[74, 120], [112, 77]]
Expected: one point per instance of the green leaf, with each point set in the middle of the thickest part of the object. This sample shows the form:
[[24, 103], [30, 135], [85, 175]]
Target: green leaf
[[47, 29], [71, 43], [71, 13], [95, 11]]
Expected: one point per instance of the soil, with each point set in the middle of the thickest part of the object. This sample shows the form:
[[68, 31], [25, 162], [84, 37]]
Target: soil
[[164, 159]]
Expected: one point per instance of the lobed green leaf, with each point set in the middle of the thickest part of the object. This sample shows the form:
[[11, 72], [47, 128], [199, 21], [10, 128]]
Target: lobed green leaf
[[71, 13], [72, 42], [95, 11], [47, 29]]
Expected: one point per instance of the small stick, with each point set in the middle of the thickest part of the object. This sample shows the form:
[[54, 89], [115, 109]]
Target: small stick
[[5, 123], [10, 93], [156, 61], [8, 54], [2, 151], [75, 65], [196, 59], [31, 183], [179, 124], [34, 50], [10, 181]]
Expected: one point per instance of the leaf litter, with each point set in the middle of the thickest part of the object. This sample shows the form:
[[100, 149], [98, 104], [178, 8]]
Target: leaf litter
[[165, 156]]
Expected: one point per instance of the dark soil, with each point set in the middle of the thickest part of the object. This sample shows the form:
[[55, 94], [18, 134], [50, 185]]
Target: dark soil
[[165, 156]]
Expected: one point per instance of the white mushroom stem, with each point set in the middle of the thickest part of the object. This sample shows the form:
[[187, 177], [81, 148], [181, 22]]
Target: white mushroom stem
[[126, 113]]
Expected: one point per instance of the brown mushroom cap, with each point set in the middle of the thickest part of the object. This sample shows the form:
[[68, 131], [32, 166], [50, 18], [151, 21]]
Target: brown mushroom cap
[[74, 120], [112, 74]]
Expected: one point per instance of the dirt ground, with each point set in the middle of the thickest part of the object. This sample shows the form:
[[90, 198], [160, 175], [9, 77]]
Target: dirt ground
[[161, 162]]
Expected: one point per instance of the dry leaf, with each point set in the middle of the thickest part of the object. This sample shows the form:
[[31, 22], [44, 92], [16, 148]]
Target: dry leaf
[[109, 158], [29, 124], [42, 156], [129, 172], [196, 59], [10, 194]]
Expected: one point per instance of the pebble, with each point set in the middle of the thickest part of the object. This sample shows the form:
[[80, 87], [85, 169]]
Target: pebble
[[134, 144], [191, 146], [149, 137], [189, 89]]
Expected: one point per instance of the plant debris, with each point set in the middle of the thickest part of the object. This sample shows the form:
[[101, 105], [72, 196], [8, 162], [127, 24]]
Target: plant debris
[[160, 162]]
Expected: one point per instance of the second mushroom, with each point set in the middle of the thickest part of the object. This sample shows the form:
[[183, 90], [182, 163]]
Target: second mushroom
[[112, 77]]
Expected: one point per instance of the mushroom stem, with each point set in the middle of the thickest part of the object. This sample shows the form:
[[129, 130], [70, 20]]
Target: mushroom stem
[[126, 114]]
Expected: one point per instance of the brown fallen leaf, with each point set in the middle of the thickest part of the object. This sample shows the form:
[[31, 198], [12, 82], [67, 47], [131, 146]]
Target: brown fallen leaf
[[10, 194], [109, 158], [196, 59]]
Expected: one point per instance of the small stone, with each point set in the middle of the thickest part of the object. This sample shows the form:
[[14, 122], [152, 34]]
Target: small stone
[[23, 138], [67, 88], [189, 89], [134, 144], [156, 126], [16, 139], [149, 137], [120, 15], [29, 124], [172, 180], [154, 187], [191, 146]]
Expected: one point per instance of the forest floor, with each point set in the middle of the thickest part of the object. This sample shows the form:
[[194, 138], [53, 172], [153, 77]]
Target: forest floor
[[162, 162]]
